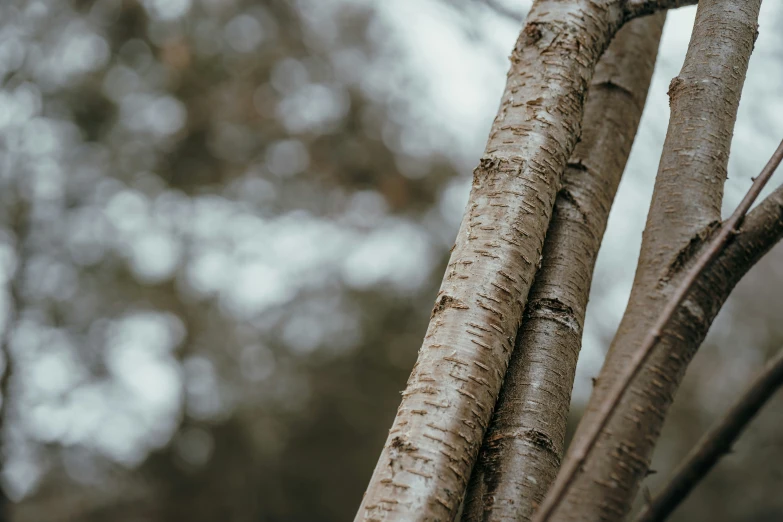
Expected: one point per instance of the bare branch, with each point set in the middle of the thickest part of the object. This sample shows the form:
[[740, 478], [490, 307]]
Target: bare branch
[[524, 444], [502, 10], [636, 8], [583, 446], [633, 8], [715, 443]]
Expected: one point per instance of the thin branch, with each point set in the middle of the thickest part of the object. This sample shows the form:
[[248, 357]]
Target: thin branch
[[636, 8], [605, 409], [633, 8], [502, 10], [716, 442]]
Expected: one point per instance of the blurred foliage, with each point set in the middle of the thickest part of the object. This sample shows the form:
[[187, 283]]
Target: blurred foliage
[[218, 273]]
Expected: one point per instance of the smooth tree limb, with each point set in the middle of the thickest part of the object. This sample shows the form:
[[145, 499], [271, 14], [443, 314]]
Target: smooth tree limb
[[684, 215], [717, 442], [432, 446], [524, 443]]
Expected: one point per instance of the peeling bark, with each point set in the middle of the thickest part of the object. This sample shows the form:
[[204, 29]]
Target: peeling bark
[[524, 444], [684, 212], [424, 467]]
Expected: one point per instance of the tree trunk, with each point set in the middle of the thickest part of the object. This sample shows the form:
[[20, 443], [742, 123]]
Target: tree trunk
[[524, 444], [434, 441], [685, 211]]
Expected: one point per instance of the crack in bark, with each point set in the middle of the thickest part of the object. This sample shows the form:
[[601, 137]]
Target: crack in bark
[[446, 301], [565, 197], [400, 444], [686, 254], [616, 87], [554, 310], [531, 436]]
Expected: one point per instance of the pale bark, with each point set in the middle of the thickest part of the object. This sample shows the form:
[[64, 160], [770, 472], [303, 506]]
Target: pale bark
[[524, 443], [684, 212], [425, 464], [717, 442]]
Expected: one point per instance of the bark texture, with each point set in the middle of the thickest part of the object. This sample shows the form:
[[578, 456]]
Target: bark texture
[[684, 212], [425, 464], [524, 443]]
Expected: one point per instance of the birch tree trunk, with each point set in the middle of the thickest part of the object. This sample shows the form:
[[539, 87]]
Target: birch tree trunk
[[524, 443], [423, 470], [685, 211]]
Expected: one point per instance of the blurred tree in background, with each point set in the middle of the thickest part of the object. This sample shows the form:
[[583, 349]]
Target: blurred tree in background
[[189, 338], [220, 243]]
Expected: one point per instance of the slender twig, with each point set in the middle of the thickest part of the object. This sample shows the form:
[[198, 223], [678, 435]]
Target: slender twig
[[636, 8], [633, 8], [502, 10], [582, 448], [715, 443]]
